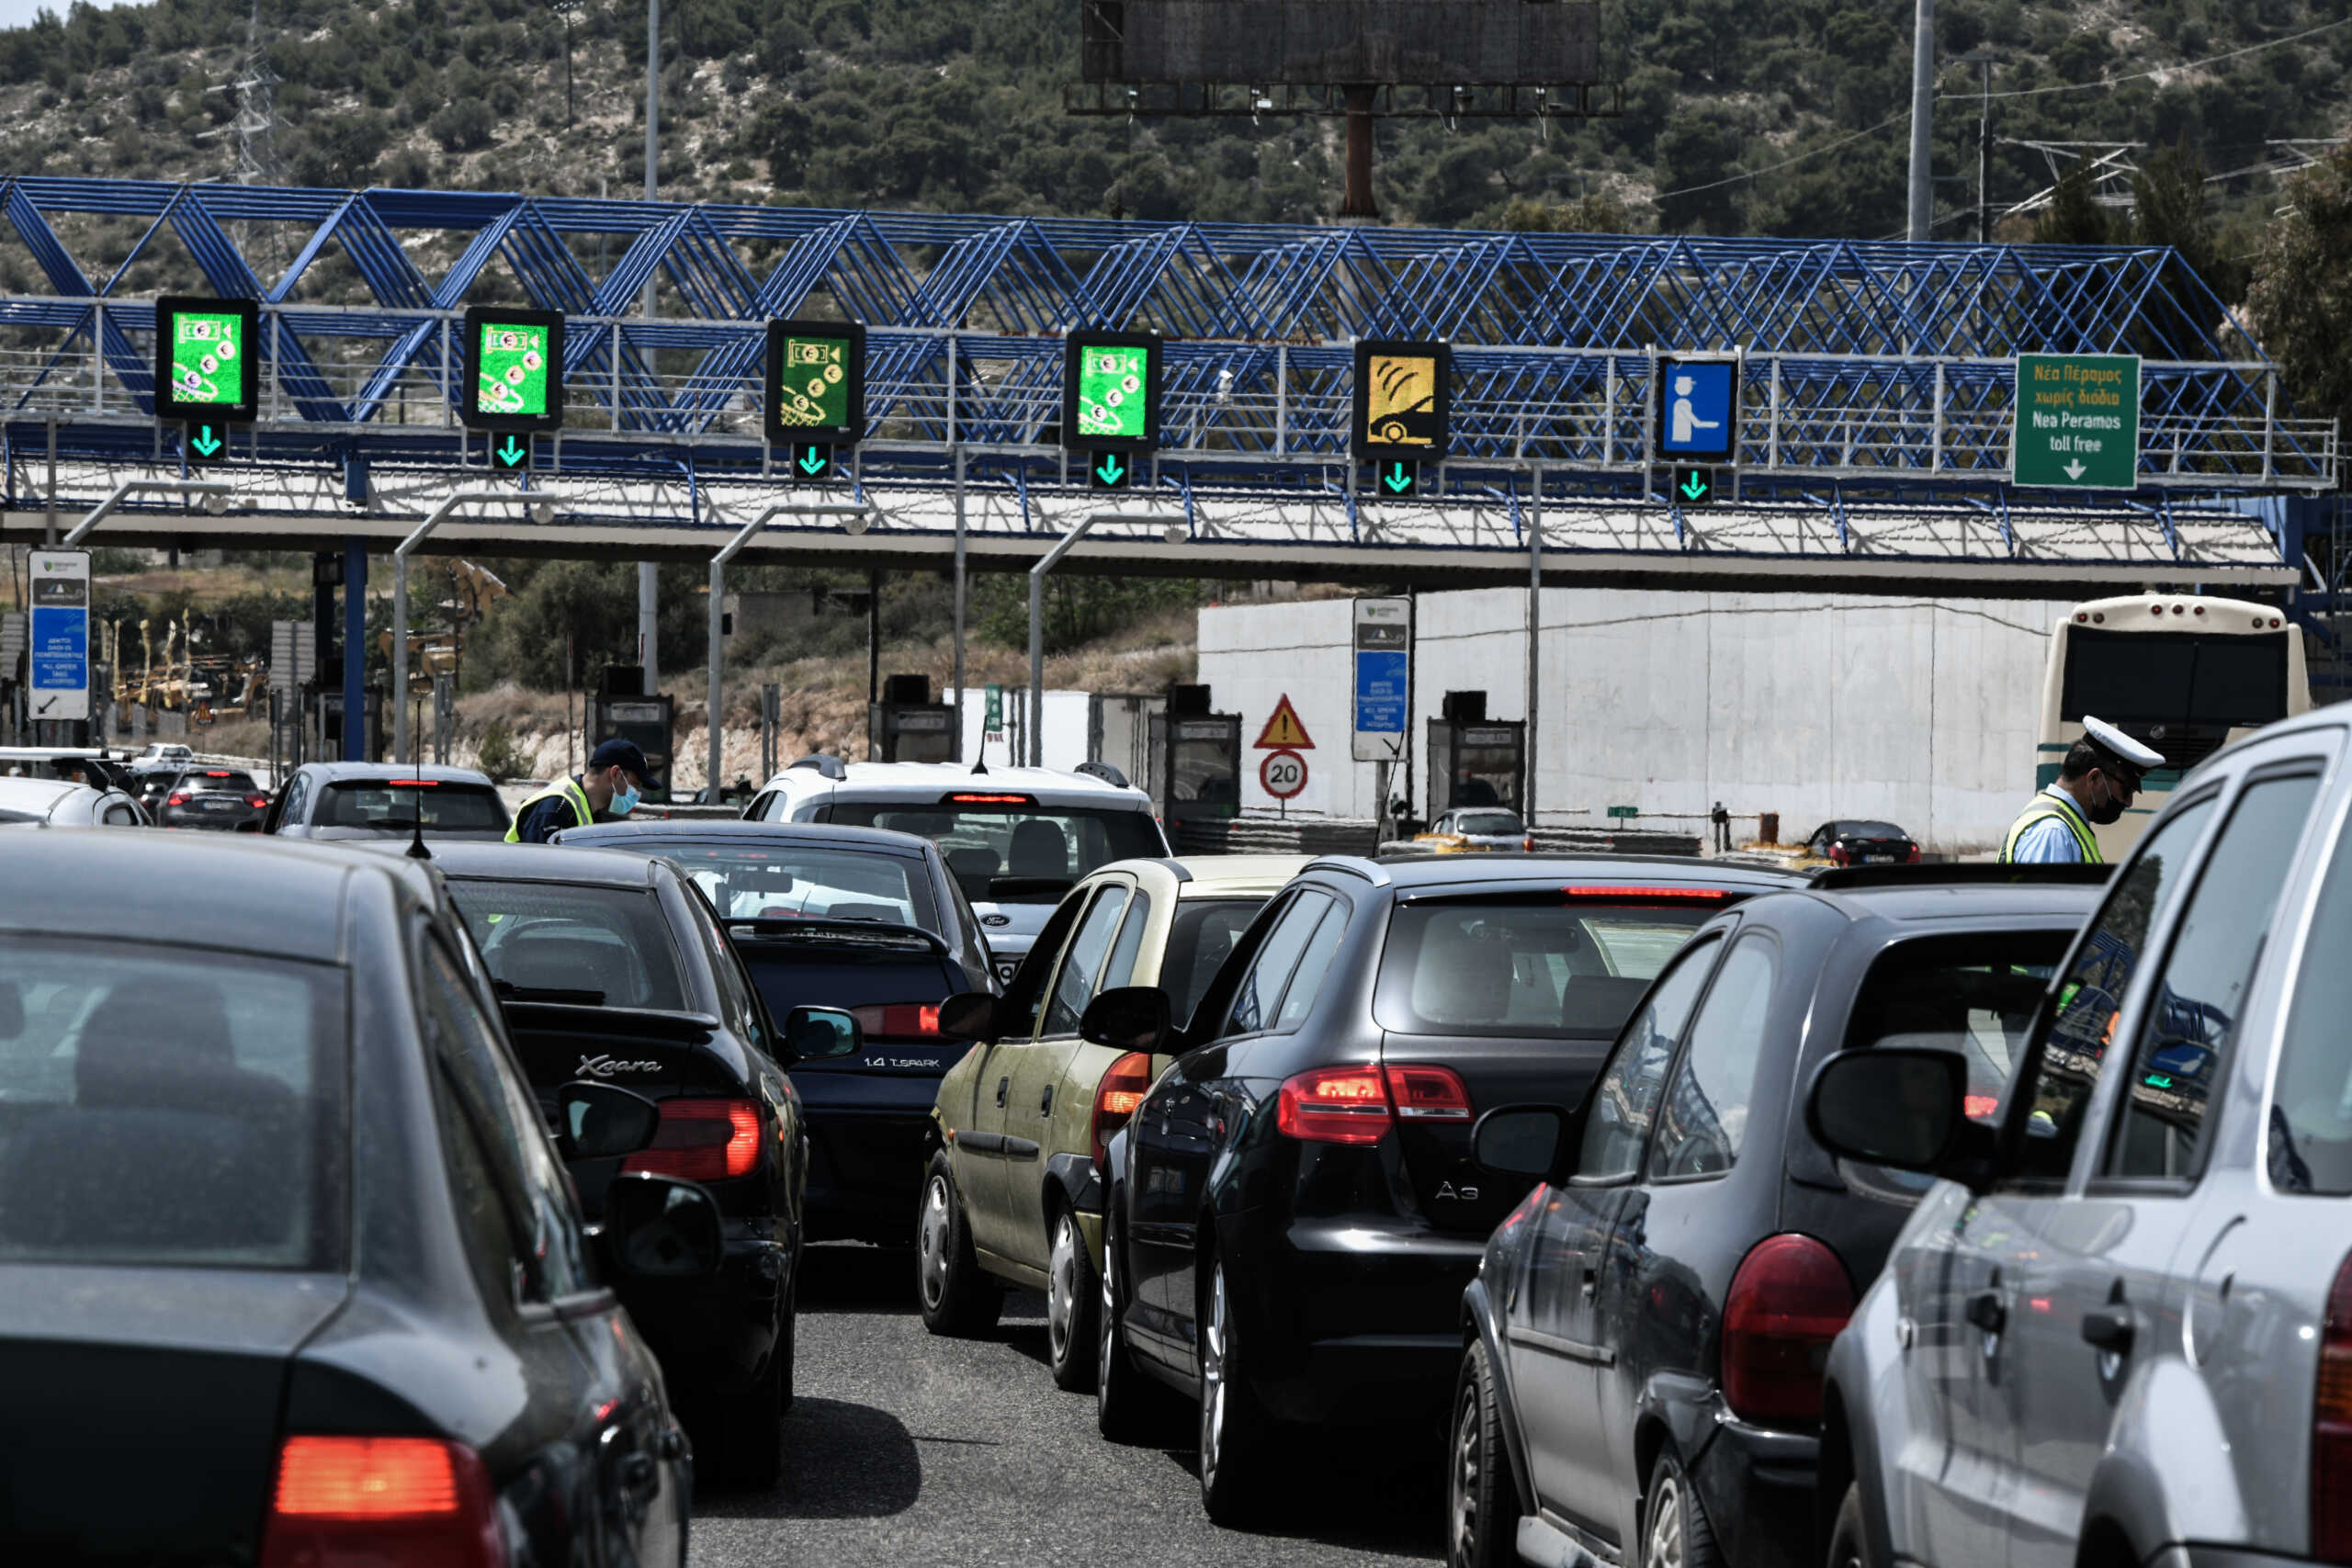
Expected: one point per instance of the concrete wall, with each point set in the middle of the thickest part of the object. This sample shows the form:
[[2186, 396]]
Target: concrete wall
[[1811, 706]]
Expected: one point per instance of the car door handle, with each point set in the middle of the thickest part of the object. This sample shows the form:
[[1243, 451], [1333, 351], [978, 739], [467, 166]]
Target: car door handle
[[1045, 1102], [1987, 1312], [1001, 1085], [2110, 1329]]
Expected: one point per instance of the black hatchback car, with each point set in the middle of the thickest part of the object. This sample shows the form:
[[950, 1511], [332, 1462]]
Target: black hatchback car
[[1643, 1345], [222, 799], [610, 967], [857, 917], [1293, 1212], [290, 1271]]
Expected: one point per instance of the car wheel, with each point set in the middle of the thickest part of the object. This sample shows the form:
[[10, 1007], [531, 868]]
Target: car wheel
[[1848, 1546], [1129, 1405], [957, 1299], [1236, 1432], [1675, 1531], [1071, 1301], [1481, 1502]]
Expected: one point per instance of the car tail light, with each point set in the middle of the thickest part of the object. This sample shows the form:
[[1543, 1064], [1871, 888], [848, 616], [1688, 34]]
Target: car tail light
[[176, 799], [1913, 857], [2331, 1482], [969, 798], [1619, 890], [257, 801], [1979, 1107], [1838, 854], [702, 1140], [899, 1021], [1787, 1302], [1122, 1089], [1358, 1105], [1527, 845], [348, 1502]]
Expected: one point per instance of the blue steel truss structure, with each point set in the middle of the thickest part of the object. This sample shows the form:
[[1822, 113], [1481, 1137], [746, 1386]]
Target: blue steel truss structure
[[1870, 370]]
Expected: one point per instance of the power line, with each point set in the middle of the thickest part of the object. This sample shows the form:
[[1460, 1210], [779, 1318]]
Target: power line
[[2159, 70], [1768, 168]]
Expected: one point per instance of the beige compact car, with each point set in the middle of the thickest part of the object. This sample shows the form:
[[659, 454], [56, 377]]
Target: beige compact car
[[1012, 1196]]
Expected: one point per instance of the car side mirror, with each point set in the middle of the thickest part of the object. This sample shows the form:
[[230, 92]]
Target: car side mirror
[[1903, 1106], [816, 1034], [603, 1121], [1520, 1140], [969, 1015], [657, 1227], [1128, 1018]]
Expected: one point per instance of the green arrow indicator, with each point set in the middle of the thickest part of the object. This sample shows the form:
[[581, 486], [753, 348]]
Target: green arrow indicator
[[1693, 488], [812, 461], [511, 452], [205, 442], [1398, 478], [1109, 470]]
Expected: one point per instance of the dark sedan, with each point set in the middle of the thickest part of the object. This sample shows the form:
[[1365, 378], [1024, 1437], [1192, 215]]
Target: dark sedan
[[857, 917], [1644, 1343], [1293, 1212], [610, 968], [290, 1272], [222, 799], [1853, 842]]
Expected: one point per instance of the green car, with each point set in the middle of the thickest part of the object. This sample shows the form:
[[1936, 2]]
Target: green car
[[1011, 1196]]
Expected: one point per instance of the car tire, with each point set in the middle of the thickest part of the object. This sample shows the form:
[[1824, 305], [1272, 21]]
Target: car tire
[[751, 1428], [1674, 1529], [1130, 1406], [1237, 1434], [957, 1300], [1849, 1545], [787, 1344], [1481, 1499], [1072, 1299]]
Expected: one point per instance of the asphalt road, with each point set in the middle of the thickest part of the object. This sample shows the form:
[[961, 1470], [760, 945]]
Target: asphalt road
[[902, 1449]]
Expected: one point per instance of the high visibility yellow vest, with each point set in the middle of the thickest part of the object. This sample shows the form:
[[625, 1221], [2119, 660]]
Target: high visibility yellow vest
[[563, 789], [2045, 806]]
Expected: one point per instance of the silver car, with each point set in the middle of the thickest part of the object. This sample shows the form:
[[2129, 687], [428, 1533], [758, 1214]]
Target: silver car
[[61, 802], [382, 800], [2118, 1330]]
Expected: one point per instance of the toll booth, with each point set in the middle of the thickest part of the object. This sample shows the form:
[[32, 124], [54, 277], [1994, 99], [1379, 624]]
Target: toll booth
[[624, 710], [1200, 757], [331, 725], [1475, 760], [906, 725]]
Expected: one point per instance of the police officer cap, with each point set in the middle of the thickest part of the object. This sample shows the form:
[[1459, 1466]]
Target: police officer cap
[[624, 752], [2128, 751]]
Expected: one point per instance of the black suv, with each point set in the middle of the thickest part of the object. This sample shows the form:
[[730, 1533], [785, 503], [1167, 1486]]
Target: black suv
[[1641, 1349], [1294, 1211]]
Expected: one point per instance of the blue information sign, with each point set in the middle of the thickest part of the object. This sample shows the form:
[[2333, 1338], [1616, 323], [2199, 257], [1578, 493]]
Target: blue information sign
[[59, 637], [1698, 413], [1380, 691], [1383, 683]]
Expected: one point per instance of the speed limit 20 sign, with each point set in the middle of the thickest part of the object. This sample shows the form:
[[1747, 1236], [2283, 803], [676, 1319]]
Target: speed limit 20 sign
[[1283, 773]]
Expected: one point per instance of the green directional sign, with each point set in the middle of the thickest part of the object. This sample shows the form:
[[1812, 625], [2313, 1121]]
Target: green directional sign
[[1693, 487], [1111, 393], [1111, 470], [514, 369], [206, 441], [2076, 423], [208, 360], [509, 453], [816, 383], [1395, 479], [812, 462]]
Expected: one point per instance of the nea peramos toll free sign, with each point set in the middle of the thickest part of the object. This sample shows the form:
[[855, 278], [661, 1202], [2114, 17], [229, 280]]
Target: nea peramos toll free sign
[[2076, 422]]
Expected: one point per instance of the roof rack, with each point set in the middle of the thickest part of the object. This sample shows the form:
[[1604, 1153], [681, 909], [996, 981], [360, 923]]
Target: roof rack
[[1969, 873], [1103, 771], [827, 765]]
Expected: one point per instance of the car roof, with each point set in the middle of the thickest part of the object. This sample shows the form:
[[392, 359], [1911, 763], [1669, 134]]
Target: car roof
[[926, 782], [528, 863], [335, 772], [2331, 716], [1955, 900], [1409, 873], [43, 792], [1212, 877], [882, 840], [274, 897]]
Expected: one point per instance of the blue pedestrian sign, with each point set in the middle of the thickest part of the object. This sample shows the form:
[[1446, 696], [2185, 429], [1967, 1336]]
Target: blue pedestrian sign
[[59, 641], [1384, 674], [1698, 409]]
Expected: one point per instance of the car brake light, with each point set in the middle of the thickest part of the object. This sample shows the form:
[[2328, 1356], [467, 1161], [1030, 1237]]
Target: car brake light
[[1911, 858], [257, 801], [352, 1502], [1594, 890], [1527, 846], [1979, 1107], [411, 783], [1838, 854], [702, 1140], [176, 799], [1122, 1089], [2331, 1479], [992, 800], [1429, 1094], [1358, 1105], [1787, 1302], [899, 1021]]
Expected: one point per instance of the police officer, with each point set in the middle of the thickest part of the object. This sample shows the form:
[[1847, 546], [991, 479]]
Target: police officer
[[614, 780], [2100, 776]]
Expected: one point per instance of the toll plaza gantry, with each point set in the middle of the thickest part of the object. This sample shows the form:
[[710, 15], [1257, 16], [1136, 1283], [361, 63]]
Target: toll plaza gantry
[[1353, 404]]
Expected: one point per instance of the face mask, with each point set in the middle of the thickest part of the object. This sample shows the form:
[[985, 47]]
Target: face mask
[[624, 799], [2109, 809]]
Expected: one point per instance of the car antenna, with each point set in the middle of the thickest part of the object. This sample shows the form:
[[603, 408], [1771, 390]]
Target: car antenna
[[416, 850]]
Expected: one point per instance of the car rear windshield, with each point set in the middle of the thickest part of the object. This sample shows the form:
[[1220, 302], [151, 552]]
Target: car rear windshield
[[168, 1107], [1975, 994], [1014, 852], [790, 881], [373, 803], [1531, 965], [1489, 822], [1202, 931], [228, 779], [1869, 831], [550, 943]]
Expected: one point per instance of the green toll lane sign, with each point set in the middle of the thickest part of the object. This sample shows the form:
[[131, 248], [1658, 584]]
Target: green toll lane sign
[[2076, 423], [1395, 479], [816, 383], [208, 361], [1111, 393], [1110, 470], [514, 369], [206, 441], [509, 453]]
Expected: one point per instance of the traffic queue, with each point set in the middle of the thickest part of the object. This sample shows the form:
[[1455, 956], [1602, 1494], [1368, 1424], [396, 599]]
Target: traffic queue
[[435, 1201]]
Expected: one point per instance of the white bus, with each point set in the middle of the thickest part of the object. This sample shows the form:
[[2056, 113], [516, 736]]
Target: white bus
[[2182, 674]]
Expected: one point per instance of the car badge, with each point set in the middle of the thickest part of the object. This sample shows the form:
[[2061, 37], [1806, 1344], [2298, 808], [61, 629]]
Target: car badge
[[605, 1066]]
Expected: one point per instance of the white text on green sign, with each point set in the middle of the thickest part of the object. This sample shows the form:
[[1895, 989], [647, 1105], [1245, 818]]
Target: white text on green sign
[[2077, 421]]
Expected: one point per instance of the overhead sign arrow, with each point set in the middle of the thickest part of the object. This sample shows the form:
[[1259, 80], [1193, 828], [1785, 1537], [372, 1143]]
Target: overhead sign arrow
[[1693, 488], [2075, 470], [511, 452], [1398, 478], [812, 461], [205, 443], [1109, 469]]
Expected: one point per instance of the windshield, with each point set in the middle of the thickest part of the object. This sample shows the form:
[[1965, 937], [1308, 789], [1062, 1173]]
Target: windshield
[[2150, 678], [1522, 967], [785, 881], [165, 1107], [1494, 823], [374, 803], [1202, 931], [1014, 852], [547, 942]]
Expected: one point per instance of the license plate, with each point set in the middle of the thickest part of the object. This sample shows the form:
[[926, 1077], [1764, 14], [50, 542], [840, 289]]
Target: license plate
[[1878, 860], [216, 805]]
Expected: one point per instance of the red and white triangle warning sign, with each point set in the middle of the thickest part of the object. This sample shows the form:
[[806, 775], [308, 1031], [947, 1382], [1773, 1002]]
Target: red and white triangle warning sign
[[1283, 732]]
